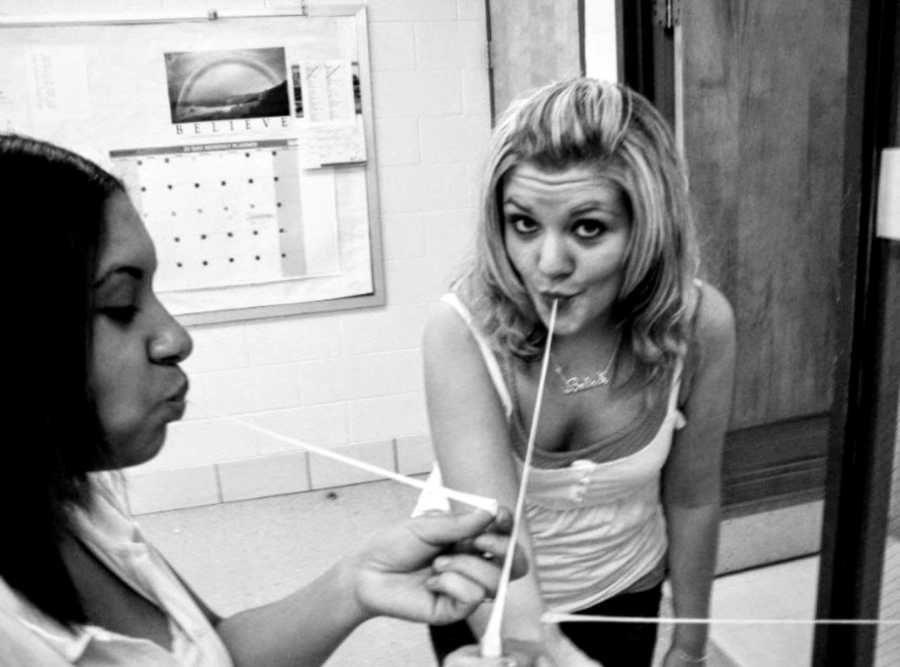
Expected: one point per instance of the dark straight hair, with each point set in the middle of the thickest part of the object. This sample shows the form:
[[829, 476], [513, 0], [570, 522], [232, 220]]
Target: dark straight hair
[[53, 205]]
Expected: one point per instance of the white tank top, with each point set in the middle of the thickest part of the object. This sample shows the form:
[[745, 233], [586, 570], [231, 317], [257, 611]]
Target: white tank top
[[597, 528]]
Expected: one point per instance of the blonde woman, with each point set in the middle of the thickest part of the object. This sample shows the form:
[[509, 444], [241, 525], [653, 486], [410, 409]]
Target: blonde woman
[[585, 203]]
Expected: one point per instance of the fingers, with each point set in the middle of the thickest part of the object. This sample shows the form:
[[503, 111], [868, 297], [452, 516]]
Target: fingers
[[461, 588], [485, 573], [445, 529], [492, 546], [503, 521], [473, 533]]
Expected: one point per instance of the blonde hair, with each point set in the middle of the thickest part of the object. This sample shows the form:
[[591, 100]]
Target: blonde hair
[[588, 122]]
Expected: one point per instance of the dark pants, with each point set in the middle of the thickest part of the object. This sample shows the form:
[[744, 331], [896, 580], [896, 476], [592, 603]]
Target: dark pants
[[612, 644]]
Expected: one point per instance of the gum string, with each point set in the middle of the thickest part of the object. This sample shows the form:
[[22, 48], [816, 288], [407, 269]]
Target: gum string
[[554, 617], [489, 505], [491, 640]]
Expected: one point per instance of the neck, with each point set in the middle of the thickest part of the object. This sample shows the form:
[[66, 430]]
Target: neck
[[589, 346]]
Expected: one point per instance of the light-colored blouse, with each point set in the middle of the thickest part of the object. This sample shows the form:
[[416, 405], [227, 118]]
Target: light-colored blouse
[[30, 637]]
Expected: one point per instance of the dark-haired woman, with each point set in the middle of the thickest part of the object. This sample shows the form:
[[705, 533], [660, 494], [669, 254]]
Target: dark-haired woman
[[93, 382]]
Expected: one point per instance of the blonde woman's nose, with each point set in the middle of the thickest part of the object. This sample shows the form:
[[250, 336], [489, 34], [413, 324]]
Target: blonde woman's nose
[[554, 258]]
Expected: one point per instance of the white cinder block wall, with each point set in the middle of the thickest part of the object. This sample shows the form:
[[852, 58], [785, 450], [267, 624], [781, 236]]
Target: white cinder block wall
[[349, 380]]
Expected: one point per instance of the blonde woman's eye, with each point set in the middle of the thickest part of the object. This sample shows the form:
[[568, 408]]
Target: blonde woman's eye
[[522, 224], [589, 229]]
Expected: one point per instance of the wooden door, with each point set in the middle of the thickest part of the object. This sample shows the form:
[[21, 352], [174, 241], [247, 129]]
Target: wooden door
[[532, 43], [763, 109]]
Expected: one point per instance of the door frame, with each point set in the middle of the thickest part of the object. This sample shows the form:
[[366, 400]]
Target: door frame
[[862, 424], [867, 369]]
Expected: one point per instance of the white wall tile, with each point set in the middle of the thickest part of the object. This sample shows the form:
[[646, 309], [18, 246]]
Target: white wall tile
[[370, 375], [223, 393], [276, 386], [412, 10], [392, 46], [397, 140], [404, 236], [450, 235], [321, 381], [470, 10], [88, 7], [319, 425], [450, 44], [418, 93], [418, 281], [397, 328], [388, 417], [265, 476], [414, 454], [454, 138], [161, 490], [292, 339], [476, 91], [426, 187], [197, 443], [286, 4], [325, 472], [201, 7], [216, 348]]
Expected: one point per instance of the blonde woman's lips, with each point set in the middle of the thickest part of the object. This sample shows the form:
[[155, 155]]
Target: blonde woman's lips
[[563, 297]]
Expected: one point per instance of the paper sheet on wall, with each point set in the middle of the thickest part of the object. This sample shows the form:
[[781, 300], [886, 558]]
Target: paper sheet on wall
[[14, 116], [327, 104], [223, 138], [58, 83]]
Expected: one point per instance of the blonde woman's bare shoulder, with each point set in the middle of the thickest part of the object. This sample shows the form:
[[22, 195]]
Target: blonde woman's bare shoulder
[[714, 327], [448, 335]]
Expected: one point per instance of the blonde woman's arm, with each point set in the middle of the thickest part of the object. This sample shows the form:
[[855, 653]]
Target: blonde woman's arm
[[692, 477], [471, 440]]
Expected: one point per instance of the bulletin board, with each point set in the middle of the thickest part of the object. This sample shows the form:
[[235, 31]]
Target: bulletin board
[[245, 140]]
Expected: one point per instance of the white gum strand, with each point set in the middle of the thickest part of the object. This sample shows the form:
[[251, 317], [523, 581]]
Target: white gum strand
[[491, 640], [554, 617], [489, 505]]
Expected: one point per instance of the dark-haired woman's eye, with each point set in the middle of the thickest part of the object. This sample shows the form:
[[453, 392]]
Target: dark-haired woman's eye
[[120, 314], [522, 224]]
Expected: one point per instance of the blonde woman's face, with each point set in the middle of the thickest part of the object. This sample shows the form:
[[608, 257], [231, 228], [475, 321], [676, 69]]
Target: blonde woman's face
[[566, 233]]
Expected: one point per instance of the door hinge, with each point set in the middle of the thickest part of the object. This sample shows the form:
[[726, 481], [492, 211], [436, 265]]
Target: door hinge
[[667, 13]]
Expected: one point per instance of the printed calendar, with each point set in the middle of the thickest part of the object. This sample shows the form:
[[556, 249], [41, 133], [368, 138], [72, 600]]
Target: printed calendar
[[231, 213]]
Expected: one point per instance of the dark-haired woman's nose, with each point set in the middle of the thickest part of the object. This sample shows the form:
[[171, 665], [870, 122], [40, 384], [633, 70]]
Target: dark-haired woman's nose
[[171, 343]]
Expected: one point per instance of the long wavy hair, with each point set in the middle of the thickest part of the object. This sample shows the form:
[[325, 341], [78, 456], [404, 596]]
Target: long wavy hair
[[54, 213], [588, 122]]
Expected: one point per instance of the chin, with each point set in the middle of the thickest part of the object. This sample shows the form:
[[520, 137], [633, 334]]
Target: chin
[[142, 451]]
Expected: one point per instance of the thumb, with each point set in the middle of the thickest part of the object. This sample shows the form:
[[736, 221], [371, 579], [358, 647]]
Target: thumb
[[444, 529]]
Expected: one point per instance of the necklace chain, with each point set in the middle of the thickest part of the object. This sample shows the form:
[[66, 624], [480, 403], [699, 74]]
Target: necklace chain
[[578, 383]]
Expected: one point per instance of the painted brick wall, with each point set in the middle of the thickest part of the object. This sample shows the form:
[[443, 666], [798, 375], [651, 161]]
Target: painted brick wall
[[348, 380]]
